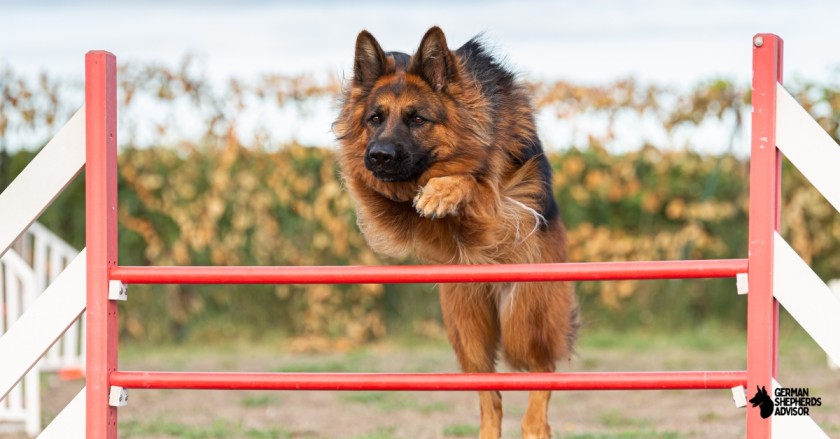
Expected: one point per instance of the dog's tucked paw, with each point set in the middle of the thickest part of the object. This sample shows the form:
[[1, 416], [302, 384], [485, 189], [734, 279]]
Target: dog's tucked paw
[[442, 196]]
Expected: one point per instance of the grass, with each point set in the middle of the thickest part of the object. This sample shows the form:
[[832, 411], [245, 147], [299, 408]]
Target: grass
[[380, 433], [614, 418], [370, 398], [219, 429], [705, 338], [329, 366], [705, 346], [460, 430], [710, 336], [709, 417], [258, 401], [634, 434], [391, 401], [354, 361]]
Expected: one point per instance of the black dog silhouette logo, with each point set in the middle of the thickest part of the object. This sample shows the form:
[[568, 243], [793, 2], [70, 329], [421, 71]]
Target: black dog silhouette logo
[[762, 399]]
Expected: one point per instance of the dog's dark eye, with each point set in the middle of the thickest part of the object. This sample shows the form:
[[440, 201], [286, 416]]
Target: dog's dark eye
[[375, 119], [417, 120]]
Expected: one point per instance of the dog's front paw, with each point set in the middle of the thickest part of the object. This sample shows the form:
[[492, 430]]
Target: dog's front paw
[[442, 196]]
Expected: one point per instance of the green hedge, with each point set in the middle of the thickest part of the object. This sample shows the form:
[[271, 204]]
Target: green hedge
[[240, 206]]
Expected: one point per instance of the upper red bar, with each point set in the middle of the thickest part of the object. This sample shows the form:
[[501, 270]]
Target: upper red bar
[[712, 268], [431, 381]]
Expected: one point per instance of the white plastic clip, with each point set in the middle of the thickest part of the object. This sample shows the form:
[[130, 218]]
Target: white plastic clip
[[118, 397], [117, 290], [739, 394], [742, 283]]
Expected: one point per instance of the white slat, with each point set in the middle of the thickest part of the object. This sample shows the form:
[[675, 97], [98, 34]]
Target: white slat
[[13, 313], [806, 297], [808, 146], [20, 284], [42, 324], [2, 301], [834, 285], [795, 427], [39, 261], [32, 396], [42, 180], [70, 423]]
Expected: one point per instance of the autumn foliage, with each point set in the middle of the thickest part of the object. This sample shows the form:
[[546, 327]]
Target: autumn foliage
[[221, 194]]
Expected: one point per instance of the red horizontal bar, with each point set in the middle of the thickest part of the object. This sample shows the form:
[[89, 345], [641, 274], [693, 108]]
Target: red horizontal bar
[[430, 381], [712, 268]]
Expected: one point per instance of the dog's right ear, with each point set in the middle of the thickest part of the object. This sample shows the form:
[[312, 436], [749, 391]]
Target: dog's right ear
[[370, 60], [433, 61]]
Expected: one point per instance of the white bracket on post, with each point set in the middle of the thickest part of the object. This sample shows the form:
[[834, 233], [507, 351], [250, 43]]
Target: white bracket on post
[[117, 290], [118, 397], [739, 394], [742, 283]]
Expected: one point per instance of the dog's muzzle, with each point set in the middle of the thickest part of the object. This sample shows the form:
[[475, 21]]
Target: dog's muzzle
[[389, 161]]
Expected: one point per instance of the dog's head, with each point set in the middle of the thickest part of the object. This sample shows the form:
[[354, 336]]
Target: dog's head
[[402, 120]]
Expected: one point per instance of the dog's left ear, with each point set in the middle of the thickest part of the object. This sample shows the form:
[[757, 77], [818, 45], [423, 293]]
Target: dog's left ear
[[370, 61], [433, 61]]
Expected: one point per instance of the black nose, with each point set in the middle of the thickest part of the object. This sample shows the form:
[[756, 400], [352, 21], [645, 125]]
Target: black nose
[[382, 153]]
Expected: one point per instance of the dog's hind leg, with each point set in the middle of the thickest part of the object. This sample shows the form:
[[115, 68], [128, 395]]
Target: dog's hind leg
[[470, 316], [535, 422], [491, 414], [538, 322]]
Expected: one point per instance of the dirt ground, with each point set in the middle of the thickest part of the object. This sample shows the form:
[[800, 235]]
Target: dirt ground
[[417, 415]]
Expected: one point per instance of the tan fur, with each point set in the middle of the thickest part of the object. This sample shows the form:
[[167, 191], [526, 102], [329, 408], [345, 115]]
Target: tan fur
[[473, 205]]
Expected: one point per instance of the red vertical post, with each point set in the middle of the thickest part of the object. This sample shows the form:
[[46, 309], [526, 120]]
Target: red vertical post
[[765, 193], [101, 235]]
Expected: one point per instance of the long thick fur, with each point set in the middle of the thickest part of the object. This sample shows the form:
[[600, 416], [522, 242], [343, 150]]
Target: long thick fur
[[466, 182]]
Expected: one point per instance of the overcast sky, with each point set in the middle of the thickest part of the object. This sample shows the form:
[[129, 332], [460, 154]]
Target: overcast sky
[[676, 41], [673, 42]]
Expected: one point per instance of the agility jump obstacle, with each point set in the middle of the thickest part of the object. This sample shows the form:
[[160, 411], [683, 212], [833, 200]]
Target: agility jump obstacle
[[35, 260], [771, 274]]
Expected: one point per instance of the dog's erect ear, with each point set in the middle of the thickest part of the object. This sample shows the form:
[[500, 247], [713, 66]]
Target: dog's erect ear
[[370, 60], [434, 61]]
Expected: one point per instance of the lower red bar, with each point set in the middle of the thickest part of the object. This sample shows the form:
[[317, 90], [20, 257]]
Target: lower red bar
[[431, 381], [589, 271]]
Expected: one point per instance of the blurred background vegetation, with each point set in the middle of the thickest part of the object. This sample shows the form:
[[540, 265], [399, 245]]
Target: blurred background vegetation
[[225, 192]]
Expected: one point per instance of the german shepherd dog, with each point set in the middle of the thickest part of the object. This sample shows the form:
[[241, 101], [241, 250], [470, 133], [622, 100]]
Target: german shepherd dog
[[440, 152]]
